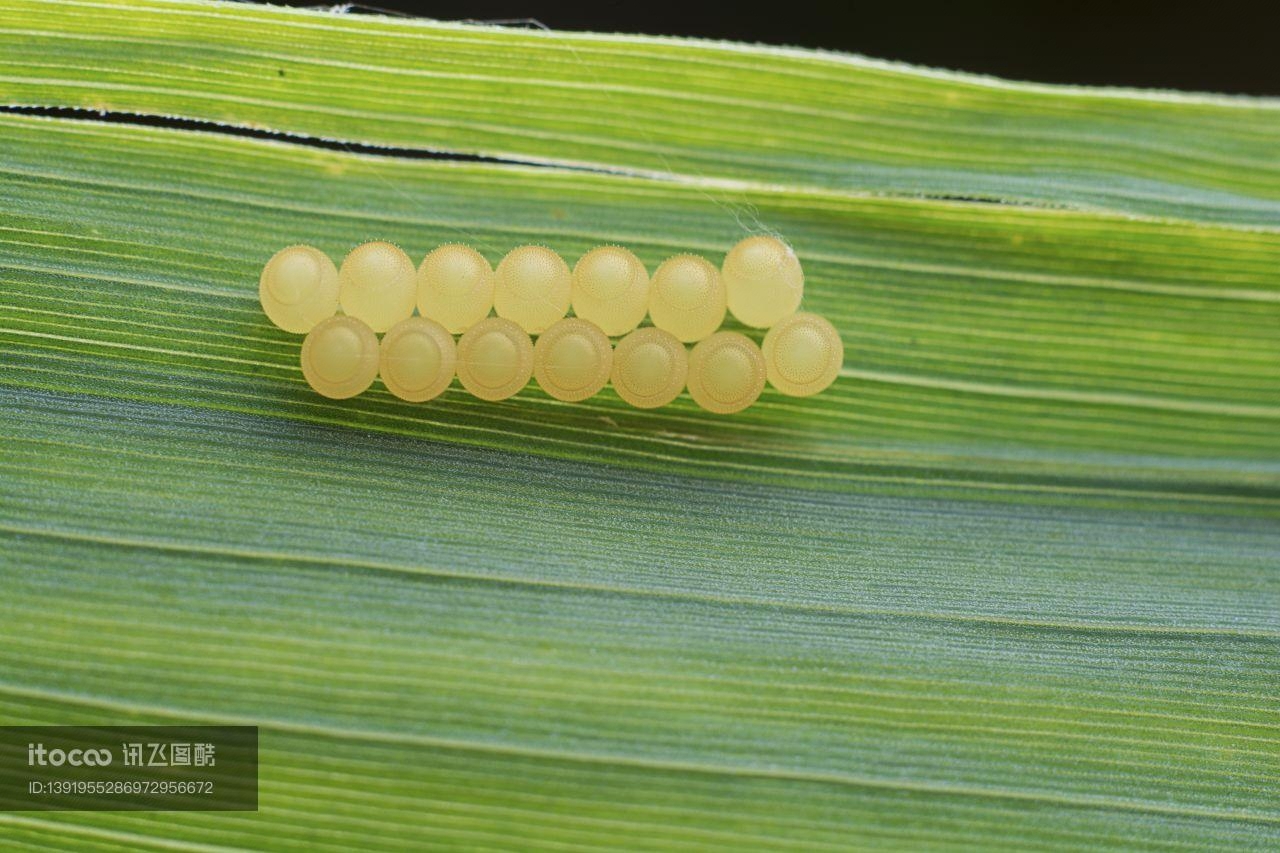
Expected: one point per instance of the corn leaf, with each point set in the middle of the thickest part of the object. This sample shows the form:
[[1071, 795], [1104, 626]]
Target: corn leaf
[[1013, 582], [713, 114]]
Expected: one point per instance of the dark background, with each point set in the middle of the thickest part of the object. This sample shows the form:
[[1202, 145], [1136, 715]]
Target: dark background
[[1222, 47]]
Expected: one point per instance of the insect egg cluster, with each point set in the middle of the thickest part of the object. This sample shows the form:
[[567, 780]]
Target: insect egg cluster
[[377, 288]]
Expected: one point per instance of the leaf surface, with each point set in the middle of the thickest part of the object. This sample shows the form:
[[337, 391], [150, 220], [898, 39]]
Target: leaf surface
[[714, 114], [1011, 583]]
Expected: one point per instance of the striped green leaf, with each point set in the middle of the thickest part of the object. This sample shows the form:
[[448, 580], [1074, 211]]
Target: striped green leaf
[[1013, 582], [714, 114]]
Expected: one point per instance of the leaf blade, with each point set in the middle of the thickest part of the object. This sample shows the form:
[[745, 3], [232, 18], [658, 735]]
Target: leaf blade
[[810, 119], [1011, 583]]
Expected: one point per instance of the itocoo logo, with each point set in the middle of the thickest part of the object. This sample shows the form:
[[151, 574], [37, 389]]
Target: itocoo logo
[[38, 755]]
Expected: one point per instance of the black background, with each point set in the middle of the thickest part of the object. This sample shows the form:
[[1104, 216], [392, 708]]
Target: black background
[[1221, 47]]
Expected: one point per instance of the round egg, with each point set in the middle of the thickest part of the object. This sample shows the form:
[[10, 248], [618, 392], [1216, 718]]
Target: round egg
[[495, 359], [572, 359], [377, 283], [340, 357], [455, 287], [298, 288], [726, 373], [417, 359], [803, 354], [687, 297], [650, 368], [763, 281], [532, 288], [611, 289]]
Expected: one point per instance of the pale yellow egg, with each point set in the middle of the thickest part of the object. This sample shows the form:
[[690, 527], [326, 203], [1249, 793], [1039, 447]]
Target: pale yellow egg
[[377, 283], [340, 357], [455, 287], [532, 288], [650, 368], [611, 289], [572, 359], [763, 281], [298, 288], [726, 373], [417, 359], [495, 359], [687, 297], [803, 354]]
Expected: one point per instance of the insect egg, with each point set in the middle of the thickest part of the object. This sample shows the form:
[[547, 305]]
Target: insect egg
[[649, 368], [763, 280], [611, 289], [340, 357], [572, 359], [455, 287], [726, 373], [532, 288], [803, 354], [416, 359], [686, 297], [298, 288], [378, 284], [495, 359]]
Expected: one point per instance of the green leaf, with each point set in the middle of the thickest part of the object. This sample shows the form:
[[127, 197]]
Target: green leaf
[[1013, 582], [712, 114]]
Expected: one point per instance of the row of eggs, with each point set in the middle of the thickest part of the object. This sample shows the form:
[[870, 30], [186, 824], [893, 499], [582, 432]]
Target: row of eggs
[[531, 290], [572, 360], [760, 283]]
